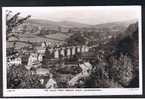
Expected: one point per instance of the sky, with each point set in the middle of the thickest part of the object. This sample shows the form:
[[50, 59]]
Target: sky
[[83, 14]]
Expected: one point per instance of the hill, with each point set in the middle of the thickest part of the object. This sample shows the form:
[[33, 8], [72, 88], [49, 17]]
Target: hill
[[41, 30], [49, 23]]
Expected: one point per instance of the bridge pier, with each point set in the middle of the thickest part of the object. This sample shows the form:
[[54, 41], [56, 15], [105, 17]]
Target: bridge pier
[[56, 54], [68, 51]]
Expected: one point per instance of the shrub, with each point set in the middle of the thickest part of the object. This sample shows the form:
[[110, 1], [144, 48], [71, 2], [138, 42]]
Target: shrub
[[20, 77], [122, 70]]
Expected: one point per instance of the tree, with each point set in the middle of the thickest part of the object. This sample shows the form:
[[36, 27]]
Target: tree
[[13, 21], [76, 39], [20, 77], [122, 70]]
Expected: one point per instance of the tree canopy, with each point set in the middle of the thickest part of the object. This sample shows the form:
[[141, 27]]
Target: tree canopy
[[13, 21]]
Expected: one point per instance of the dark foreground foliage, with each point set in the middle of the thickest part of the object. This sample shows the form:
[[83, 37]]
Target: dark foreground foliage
[[20, 77]]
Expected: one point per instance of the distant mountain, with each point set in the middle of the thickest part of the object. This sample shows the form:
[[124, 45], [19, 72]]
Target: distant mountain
[[42, 22], [116, 25], [49, 23], [73, 24]]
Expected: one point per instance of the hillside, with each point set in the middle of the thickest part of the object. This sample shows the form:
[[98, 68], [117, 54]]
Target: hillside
[[71, 24], [58, 32], [49, 23]]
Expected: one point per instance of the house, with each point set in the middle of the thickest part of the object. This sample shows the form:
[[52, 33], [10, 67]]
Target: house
[[16, 61], [32, 60]]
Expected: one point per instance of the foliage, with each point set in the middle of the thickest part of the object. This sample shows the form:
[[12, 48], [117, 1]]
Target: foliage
[[121, 59], [122, 70], [20, 77], [76, 39], [13, 22], [117, 74]]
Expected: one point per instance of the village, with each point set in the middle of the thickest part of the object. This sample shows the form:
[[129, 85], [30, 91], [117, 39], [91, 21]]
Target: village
[[36, 57]]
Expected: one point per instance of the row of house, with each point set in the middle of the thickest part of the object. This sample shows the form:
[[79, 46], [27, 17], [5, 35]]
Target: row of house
[[56, 53]]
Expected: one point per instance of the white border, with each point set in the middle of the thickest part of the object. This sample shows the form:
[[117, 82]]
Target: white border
[[71, 91]]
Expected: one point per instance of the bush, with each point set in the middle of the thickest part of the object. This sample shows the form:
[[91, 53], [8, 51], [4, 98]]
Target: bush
[[20, 77], [98, 77], [122, 70]]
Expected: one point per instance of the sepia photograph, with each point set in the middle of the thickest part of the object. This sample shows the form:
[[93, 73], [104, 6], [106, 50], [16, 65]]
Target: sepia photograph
[[73, 50]]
